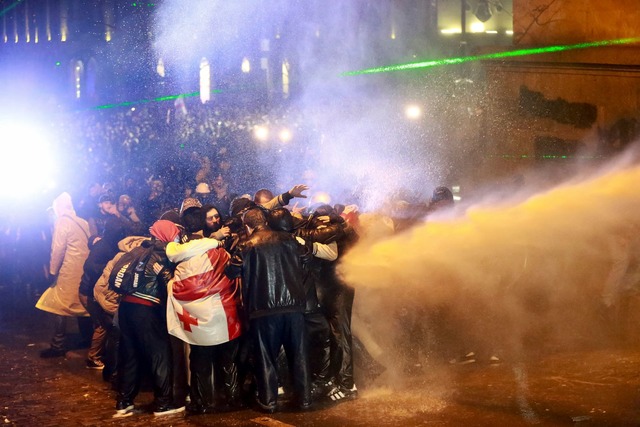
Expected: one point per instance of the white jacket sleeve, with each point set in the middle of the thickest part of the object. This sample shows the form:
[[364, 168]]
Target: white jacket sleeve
[[327, 252], [58, 246], [178, 252]]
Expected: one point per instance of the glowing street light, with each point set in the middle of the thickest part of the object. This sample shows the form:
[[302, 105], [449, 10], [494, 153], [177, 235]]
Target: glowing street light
[[246, 65], [285, 135], [261, 133], [413, 112]]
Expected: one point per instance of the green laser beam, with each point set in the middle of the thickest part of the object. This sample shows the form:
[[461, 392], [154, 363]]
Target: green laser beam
[[498, 55], [8, 8], [160, 99]]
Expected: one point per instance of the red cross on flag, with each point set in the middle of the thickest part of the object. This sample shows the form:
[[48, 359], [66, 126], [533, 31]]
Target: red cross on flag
[[202, 304], [200, 322]]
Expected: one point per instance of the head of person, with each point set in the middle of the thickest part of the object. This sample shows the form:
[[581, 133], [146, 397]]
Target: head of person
[[253, 219], [262, 196], [107, 204], [442, 198], [165, 231], [219, 183], [63, 205], [318, 211], [124, 203], [239, 205], [202, 190], [212, 218], [280, 219], [95, 189], [191, 215], [114, 231], [157, 187]]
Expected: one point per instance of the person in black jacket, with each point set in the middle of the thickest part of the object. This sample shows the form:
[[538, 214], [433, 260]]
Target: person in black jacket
[[270, 263], [101, 252], [335, 299], [144, 337]]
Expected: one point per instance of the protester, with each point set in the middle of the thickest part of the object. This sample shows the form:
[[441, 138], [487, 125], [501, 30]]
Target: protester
[[270, 264], [144, 340], [69, 250]]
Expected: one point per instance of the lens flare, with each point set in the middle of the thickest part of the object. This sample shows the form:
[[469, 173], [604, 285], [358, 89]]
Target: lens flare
[[29, 162]]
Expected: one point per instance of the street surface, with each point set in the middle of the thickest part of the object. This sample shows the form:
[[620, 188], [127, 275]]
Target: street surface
[[599, 387]]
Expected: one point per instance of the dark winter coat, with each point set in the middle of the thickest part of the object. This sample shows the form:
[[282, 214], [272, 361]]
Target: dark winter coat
[[270, 263]]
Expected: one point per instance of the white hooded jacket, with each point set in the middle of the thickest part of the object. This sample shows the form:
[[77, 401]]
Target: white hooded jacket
[[69, 250]]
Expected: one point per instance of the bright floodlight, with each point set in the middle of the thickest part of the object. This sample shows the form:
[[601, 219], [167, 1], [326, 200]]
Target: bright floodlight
[[261, 133], [285, 135], [321, 197], [413, 112], [27, 160]]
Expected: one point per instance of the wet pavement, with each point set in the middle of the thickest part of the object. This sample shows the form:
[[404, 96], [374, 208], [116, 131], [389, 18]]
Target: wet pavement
[[589, 387]]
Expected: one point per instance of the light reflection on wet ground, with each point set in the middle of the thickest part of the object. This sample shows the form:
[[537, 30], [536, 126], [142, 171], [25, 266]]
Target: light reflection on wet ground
[[586, 387]]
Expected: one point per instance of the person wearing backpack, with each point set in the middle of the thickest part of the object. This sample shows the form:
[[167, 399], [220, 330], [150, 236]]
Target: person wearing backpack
[[144, 338]]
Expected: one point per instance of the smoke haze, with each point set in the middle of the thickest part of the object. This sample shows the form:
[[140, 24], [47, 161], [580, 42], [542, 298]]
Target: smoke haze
[[513, 279]]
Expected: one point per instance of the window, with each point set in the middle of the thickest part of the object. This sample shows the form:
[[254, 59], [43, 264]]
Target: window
[[205, 81]]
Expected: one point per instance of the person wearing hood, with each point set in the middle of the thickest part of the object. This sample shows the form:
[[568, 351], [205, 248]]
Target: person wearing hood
[[109, 300], [144, 339], [69, 250]]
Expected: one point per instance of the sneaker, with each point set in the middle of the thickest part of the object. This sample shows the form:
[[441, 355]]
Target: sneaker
[[123, 409], [196, 409], [95, 364], [51, 353], [320, 388], [167, 410], [342, 393]]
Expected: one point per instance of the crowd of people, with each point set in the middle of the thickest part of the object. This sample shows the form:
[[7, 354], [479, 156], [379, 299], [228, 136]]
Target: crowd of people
[[243, 287], [238, 300]]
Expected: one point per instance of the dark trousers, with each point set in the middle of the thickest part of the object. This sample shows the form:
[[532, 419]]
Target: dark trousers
[[102, 322], [269, 334], [319, 335], [59, 339], [337, 302], [215, 364], [144, 343]]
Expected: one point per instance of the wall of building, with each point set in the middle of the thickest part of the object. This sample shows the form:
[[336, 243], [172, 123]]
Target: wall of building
[[584, 99], [538, 22]]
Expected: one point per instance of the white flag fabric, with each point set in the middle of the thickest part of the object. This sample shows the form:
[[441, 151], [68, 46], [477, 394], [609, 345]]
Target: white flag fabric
[[203, 303], [199, 322]]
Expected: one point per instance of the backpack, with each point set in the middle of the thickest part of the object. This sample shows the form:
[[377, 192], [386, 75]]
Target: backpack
[[128, 272]]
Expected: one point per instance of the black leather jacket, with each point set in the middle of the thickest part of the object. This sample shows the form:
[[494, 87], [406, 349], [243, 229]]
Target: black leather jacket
[[270, 263], [157, 273]]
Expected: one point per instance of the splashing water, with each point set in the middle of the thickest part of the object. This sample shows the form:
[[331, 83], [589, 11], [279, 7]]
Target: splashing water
[[516, 277]]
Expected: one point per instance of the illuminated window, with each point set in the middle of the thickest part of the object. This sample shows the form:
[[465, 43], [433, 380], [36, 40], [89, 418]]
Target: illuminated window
[[285, 78], [64, 18], [246, 66], [47, 18], [205, 80], [78, 72], [160, 67], [27, 33]]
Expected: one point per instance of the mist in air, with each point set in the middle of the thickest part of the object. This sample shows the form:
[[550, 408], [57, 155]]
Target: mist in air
[[351, 138], [515, 278]]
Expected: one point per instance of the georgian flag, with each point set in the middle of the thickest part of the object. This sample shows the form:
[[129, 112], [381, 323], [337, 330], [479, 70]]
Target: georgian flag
[[202, 304]]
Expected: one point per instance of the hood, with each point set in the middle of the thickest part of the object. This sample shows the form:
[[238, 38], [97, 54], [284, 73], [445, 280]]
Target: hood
[[62, 205]]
